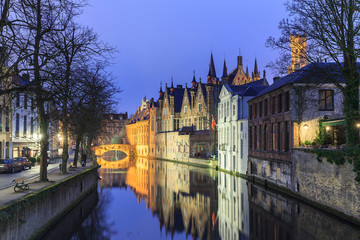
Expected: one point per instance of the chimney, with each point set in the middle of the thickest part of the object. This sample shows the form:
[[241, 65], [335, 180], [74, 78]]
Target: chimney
[[178, 86]]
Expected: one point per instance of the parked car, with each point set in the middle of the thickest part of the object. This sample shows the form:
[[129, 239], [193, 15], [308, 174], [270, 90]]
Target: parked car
[[10, 165], [24, 162]]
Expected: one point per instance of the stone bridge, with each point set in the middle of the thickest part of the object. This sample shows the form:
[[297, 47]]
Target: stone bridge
[[100, 150]]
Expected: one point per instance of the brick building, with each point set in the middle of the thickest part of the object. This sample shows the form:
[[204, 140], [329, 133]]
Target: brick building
[[289, 112]]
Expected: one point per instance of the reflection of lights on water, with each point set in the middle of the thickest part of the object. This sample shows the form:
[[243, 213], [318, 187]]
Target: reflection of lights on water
[[119, 164]]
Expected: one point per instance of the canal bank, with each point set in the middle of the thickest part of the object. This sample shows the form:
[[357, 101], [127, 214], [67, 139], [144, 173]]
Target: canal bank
[[28, 216], [305, 198]]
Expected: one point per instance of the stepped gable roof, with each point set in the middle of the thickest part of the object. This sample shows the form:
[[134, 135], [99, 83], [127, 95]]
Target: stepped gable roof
[[311, 73], [233, 73]]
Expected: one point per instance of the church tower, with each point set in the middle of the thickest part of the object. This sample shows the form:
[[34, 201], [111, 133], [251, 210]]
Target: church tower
[[298, 45]]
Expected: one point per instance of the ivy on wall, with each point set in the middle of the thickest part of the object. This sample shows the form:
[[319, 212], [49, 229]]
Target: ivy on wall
[[339, 156]]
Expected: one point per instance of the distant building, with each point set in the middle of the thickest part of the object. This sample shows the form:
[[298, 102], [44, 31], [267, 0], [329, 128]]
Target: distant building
[[25, 134], [6, 120], [114, 128], [137, 131], [238, 76], [298, 46], [233, 124]]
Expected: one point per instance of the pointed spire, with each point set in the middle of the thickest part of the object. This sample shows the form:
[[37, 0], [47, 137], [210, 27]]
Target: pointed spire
[[247, 72], [212, 72], [161, 91], [256, 71], [225, 70], [194, 79], [172, 82], [160, 87]]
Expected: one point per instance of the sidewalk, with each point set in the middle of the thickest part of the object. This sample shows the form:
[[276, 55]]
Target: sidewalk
[[8, 195]]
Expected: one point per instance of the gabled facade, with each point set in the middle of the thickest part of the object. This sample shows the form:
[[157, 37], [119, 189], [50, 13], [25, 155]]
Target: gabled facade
[[177, 110], [233, 125]]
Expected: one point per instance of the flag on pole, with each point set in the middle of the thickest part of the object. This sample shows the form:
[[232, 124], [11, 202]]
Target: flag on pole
[[213, 123]]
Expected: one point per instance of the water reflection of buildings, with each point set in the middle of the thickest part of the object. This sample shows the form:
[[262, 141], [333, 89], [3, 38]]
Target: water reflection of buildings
[[233, 210], [113, 173], [181, 198]]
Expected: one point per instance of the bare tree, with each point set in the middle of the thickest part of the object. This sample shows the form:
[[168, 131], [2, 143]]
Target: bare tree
[[74, 45], [96, 97], [332, 30], [29, 50]]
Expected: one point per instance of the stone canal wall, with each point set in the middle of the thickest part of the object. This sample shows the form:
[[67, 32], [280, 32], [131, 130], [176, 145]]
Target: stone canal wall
[[274, 214], [35, 213], [328, 184]]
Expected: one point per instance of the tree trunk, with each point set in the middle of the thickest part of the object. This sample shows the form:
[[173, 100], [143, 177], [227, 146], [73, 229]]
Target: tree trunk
[[44, 142], [65, 153], [351, 96], [76, 154], [43, 119]]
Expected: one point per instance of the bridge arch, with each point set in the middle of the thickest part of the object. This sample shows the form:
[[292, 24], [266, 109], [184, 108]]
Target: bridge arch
[[100, 150]]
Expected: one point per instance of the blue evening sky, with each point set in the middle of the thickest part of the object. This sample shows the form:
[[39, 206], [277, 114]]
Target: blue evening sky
[[158, 39]]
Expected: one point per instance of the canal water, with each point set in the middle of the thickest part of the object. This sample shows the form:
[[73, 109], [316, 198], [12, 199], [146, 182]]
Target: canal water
[[153, 199]]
